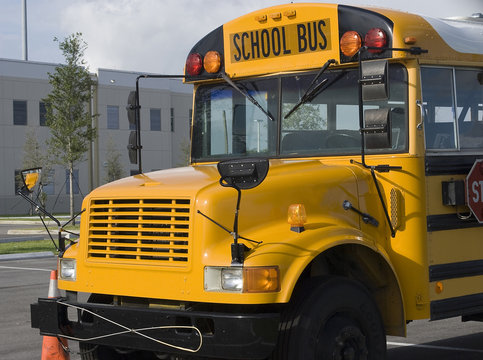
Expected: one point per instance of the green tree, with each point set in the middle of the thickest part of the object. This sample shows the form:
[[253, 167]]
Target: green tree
[[306, 117], [185, 149], [114, 168], [68, 115]]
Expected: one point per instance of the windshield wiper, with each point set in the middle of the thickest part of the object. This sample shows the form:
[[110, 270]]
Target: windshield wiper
[[311, 92], [247, 95]]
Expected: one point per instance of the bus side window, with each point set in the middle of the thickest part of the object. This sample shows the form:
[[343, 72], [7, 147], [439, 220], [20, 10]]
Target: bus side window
[[469, 101], [439, 120]]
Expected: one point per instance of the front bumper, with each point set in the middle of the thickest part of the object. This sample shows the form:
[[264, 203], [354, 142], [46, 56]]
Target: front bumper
[[223, 335]]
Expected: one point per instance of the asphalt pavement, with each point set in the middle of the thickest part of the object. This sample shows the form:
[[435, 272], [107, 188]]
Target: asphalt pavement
[[23, 281], [25, 277]]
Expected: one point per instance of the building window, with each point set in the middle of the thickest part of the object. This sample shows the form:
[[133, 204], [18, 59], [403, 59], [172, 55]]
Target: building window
[[42, 112], [48, 181], [155, 119], [112, 117], [20, 112], [172, 119], [75, 182]]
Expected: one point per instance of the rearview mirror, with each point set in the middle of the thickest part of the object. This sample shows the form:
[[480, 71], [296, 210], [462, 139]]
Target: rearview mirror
[[374, 81], [132, 147], [131, 108], [30, 178], [377, 128]]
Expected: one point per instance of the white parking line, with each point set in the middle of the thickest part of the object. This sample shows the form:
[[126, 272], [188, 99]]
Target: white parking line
[[21, 268], [434, 347]]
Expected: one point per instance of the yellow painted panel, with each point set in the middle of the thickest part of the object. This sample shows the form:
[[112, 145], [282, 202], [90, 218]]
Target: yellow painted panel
[[304, 40], [451, 246], [457, 287]]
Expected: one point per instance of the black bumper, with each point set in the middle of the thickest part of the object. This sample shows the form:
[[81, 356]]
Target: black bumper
[[224, 335]]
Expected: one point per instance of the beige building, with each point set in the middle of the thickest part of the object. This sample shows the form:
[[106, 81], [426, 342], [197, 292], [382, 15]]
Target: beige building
[[165, 117]]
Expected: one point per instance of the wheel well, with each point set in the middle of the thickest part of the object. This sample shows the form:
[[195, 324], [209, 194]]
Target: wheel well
[[364, 265]]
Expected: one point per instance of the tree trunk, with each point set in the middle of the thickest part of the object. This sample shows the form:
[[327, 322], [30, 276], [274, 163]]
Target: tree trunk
[[71, 192]]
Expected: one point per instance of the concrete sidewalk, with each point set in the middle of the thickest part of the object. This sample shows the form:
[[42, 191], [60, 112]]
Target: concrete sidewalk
[[20, 235]]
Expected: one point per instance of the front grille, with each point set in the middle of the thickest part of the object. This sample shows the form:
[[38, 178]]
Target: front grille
[[149, 231]]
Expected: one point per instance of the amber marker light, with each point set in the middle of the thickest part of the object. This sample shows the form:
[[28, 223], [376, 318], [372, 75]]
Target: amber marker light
[[275, 16], [261, 279], [212, 62], [439, 287], [410, 40], [350, 43], [297, 217], [261, 18]]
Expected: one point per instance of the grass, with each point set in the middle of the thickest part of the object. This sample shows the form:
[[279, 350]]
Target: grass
[[26, 246], [33, 245]]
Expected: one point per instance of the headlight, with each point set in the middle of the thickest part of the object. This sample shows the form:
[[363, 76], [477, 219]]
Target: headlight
[[68, 269], [245, 279], [232, 279]]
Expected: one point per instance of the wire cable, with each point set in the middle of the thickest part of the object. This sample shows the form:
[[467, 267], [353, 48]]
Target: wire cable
[[128, 330]]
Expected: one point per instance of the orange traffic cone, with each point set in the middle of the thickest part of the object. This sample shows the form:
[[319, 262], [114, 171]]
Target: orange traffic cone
[[52, 347]]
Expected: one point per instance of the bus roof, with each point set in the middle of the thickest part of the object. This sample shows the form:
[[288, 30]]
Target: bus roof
[[304, 36], [465, 36]]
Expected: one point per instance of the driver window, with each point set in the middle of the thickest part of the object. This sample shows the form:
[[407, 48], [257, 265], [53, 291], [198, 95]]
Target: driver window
[[439, 120]]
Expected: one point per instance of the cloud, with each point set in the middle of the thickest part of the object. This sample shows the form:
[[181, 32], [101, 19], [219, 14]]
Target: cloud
[[156, 35], [148, 35]]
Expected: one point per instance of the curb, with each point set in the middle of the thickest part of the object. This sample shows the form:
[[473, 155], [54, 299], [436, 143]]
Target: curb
[[33, 255], [30, 232]]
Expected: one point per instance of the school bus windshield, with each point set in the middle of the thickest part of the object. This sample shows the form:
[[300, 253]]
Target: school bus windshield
[[228, 125]]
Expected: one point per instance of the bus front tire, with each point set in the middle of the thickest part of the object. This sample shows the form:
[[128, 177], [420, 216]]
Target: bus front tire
[[331, 318]]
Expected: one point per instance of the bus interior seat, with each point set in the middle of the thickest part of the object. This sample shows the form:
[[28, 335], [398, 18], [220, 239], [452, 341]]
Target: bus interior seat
[[302, 140]]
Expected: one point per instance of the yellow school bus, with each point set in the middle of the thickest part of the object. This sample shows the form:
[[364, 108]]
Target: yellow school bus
[[325, 205]]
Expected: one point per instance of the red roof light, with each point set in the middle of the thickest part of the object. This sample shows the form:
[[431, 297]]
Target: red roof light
[[375, 38], [194, 64]]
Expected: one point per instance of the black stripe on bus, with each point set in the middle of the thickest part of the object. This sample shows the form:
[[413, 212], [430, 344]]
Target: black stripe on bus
[[449, 164], [455, 270], [450, 222], [457, 306]]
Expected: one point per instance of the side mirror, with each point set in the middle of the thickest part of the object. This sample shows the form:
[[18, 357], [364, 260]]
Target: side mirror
[[243, 173], [377, 128], [374, 81], [30, 178], [131, 108], [132, 147], [132, 114]]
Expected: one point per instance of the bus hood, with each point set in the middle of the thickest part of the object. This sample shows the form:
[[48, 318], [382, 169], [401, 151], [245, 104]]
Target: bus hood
[[190, 181]]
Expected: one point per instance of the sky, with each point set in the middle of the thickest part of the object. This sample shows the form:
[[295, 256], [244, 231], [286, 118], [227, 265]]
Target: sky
[[152, 36]]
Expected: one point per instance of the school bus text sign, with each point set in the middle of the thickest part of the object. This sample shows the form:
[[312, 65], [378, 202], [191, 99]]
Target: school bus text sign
[[474, 190], [279, 41]]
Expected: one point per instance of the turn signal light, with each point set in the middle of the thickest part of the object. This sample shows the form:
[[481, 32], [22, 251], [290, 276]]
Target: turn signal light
[[194, 64], [212, 62], [261, 279], [350, 43]]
